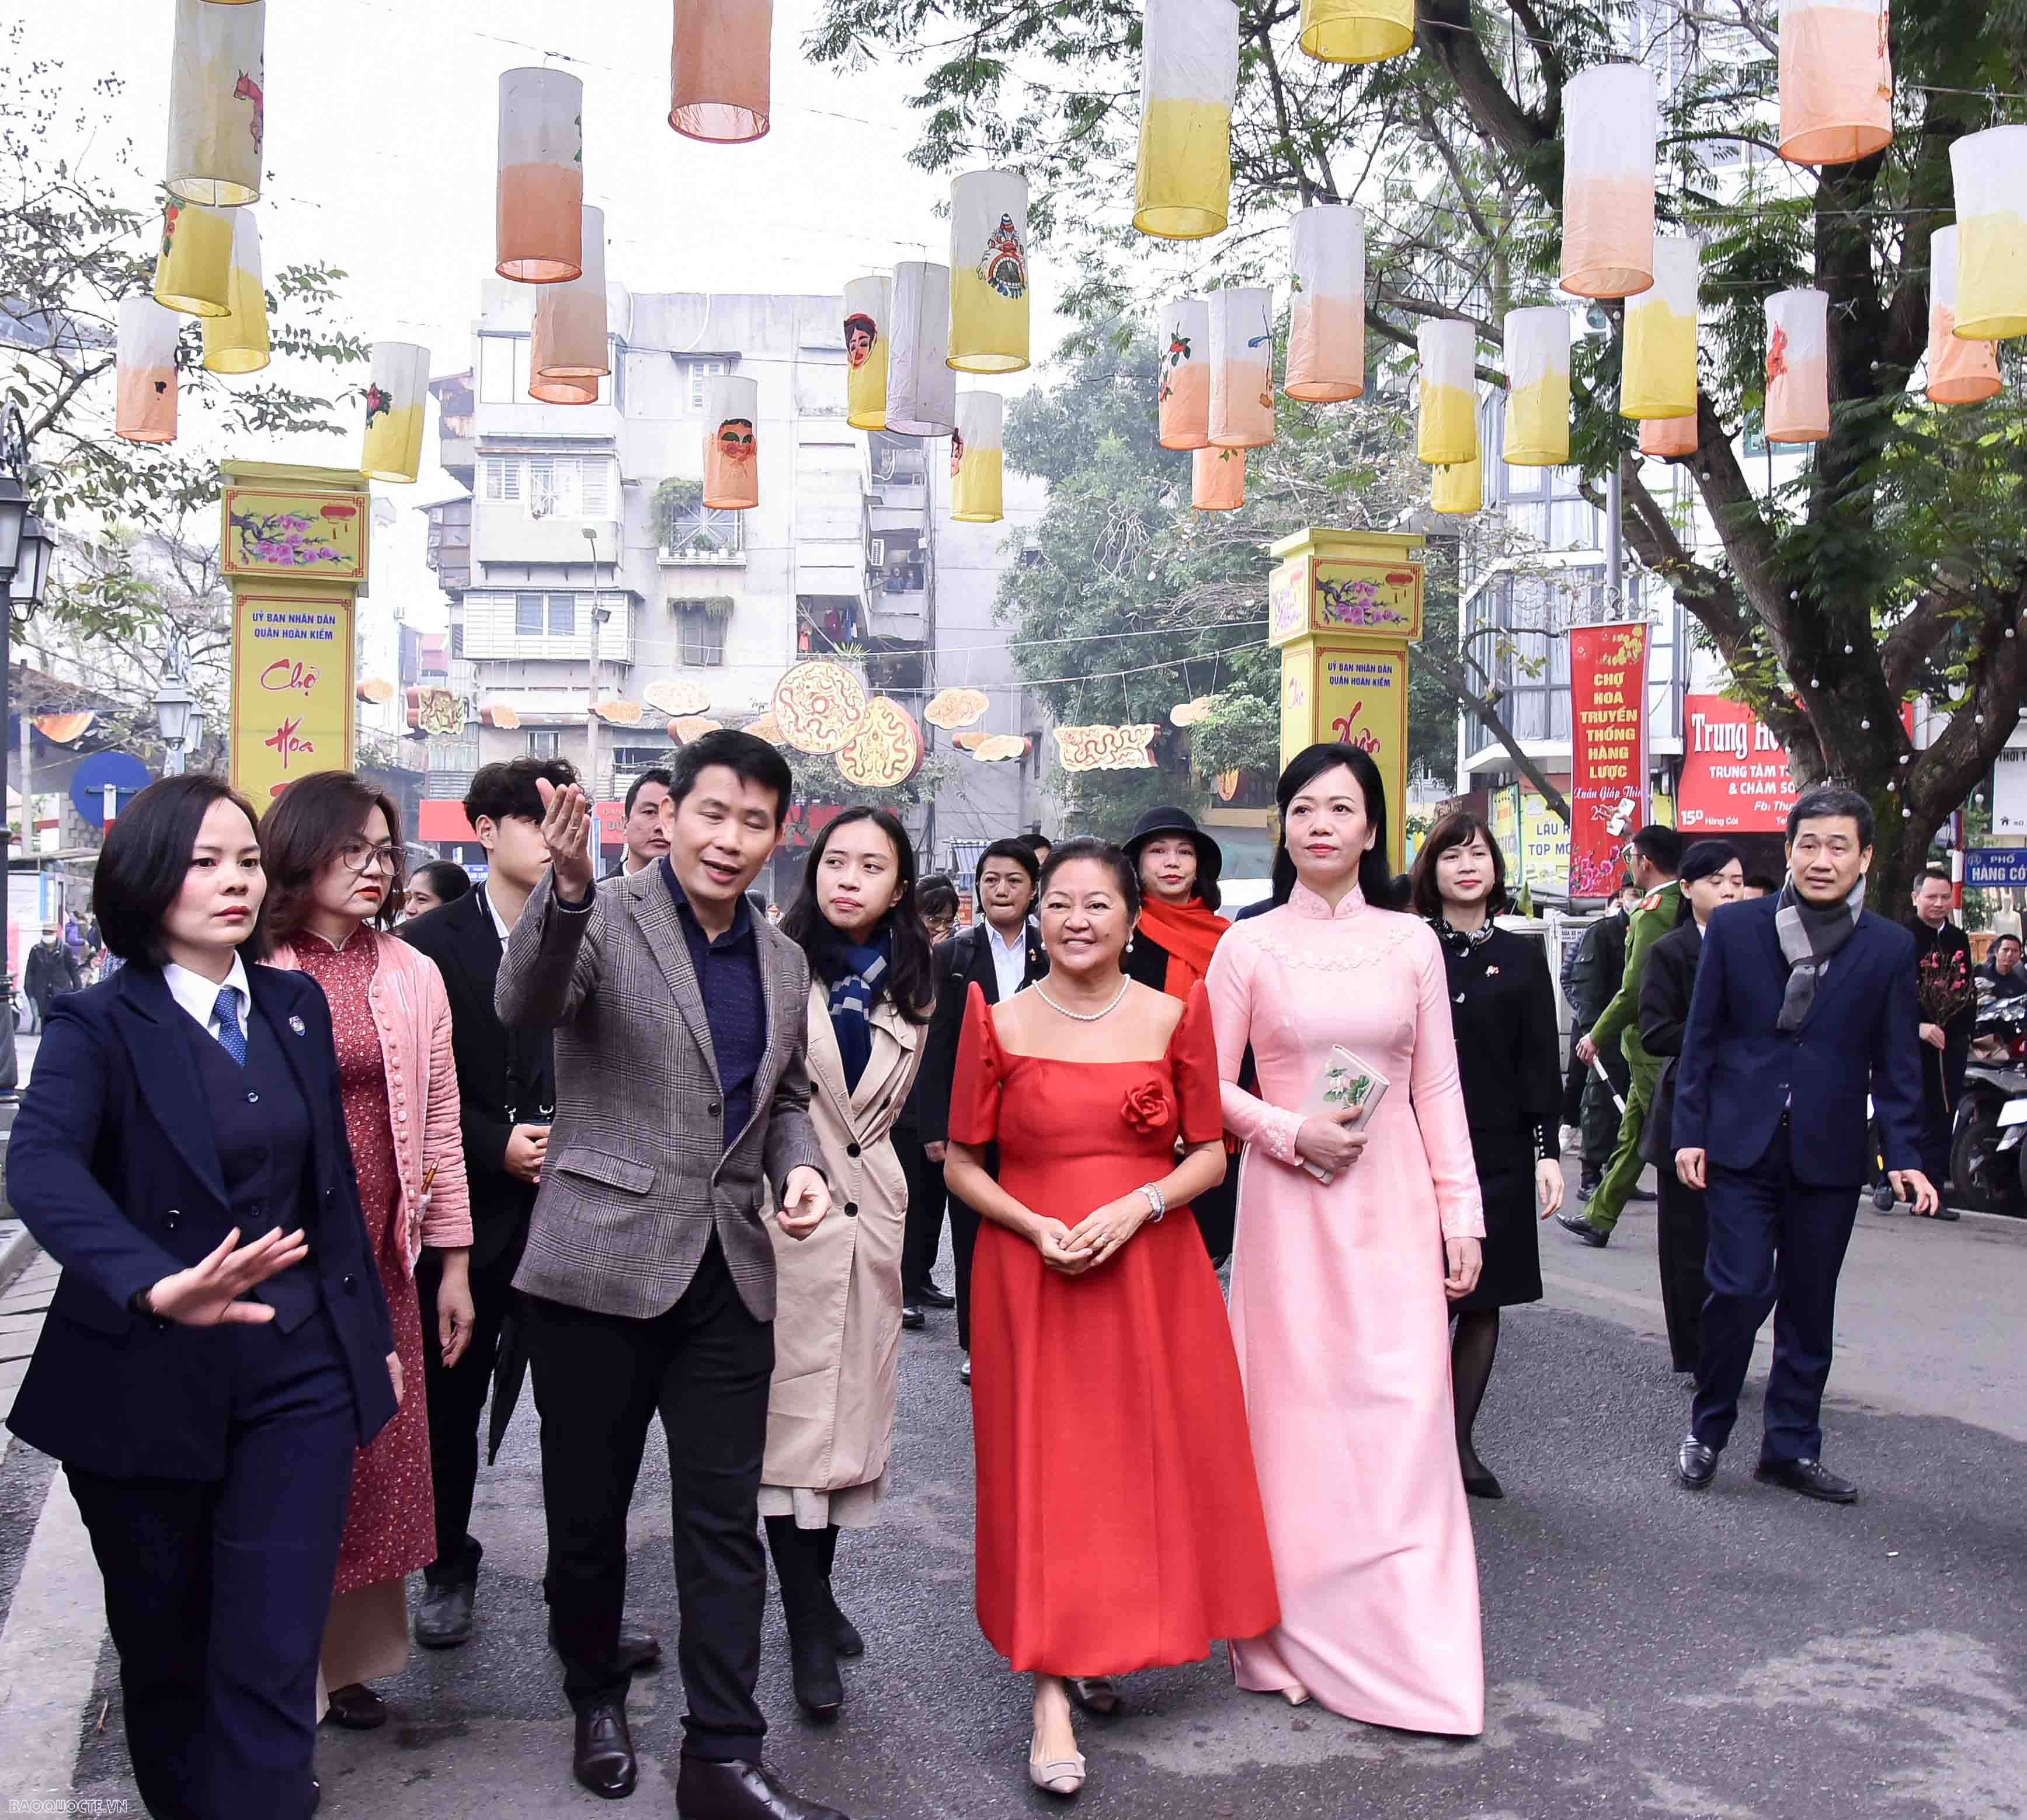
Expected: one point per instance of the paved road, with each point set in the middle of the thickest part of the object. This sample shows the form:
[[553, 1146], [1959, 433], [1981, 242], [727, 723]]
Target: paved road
[[1744, 1655]]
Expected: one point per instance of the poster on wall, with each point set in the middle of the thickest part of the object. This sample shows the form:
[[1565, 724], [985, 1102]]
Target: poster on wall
[[1735, 774], [292, 694], [1607, 752]]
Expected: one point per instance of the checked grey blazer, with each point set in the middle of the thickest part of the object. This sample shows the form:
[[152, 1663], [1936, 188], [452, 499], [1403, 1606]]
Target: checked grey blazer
[[638, 1176]]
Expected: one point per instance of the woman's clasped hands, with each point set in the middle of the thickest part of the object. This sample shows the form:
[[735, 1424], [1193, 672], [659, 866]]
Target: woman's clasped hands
[[1096, 1239]]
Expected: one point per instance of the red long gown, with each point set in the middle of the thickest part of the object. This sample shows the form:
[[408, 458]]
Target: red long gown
[[1119, 1522]]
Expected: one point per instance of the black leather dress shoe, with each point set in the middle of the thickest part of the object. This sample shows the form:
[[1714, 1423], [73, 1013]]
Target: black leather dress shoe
[[844, 1633], [355, 1707], [1587, 1184], [637, 1649], [912, 1317], [1809, 1477], [602, 1758], [443, 1620], [1637, 1193], [930, 1296], [813, 1665], [739, 1791], [1581, 1229], [1696, 1464]]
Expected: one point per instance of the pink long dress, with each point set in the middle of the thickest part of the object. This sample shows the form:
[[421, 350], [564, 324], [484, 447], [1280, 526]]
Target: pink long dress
[[1339, 1318]]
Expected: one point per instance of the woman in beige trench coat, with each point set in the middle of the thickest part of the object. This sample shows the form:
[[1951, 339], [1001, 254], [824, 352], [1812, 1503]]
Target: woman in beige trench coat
[[837, 1320]]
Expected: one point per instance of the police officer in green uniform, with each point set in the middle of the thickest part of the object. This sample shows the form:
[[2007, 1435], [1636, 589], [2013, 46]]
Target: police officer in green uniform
[[1657, 856]]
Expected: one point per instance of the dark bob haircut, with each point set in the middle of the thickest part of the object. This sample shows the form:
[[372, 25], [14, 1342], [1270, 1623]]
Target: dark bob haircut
[[1662, 845], [654, 774], [748, 758], [935, 896], [445, 877], [1376, 879], [1827, 802], [147, 856], [911, 983], [1017, 849], [504, 791], [1701, 860], [1089, 847], [303, 831], [1456, 829]]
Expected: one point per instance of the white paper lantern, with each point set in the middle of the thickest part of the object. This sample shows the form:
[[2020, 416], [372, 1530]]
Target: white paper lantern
[[921, 388], [1961, 371], [1447, 431], [1836, 80], [976, 496], [1189, 74], [1658, 372], [1538, 383], [217, 106], [395, 402], [1182, 402], [145, 406], [1990, 169], [868, 309], [571, 351], [1798, 387], [1242, 361], [1327, 313], [541, 211], [731, 443], [1608, 126], [237, 341], [989, 283]]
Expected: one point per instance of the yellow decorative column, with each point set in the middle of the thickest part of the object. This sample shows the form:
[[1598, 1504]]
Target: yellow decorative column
[[294, 546], [1343, 607]]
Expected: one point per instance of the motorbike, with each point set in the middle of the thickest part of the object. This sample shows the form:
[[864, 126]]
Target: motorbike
[[1988, 1135]]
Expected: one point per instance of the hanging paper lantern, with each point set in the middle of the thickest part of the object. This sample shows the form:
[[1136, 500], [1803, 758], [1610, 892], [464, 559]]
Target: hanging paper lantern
[[1608, 126], [237, 342], [1189, 73], [1182, 402], [217, 112], [394, 404], [1327, 314], [921, 389], [731, 455], [1448, 393], [540, 213], [1960, 371], [1217, 480], [1458, 490], [1241, 354], [677, 695], [1836, 81], [1357, 31], [719, 79], [685, 728], [975, 458], [1668, 438], [570, 353], [953, 708], [1105, 747], [193, 267], [885, 750], [1658, 372], [1538, 382], [997, 748], [988, 329], [1798, 387], [868, 303], [145, 409], [819, 706], [1990, 169]]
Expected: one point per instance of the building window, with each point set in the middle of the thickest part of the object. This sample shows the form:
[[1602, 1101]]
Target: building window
[[700, 376], [548, 744], [563, 616], [691, 528], [528, 615], [503, 479], [640, 758], [457, 638], [700, 629], [503, 370], [552, 486]]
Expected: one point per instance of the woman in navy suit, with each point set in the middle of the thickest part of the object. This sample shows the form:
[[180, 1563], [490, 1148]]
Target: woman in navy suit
[[205, 1394]]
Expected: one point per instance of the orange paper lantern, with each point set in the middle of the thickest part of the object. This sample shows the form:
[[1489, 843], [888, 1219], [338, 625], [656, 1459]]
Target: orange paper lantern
[[1241, 366], [1960, 371], [541, 202], [145, 408], [1608, 128], [570, 352], [1217, 480], [1326, 314], [1836, 81], [1668, 438], [731, 454], [719, 69], [1183, 401], [1798, 385]]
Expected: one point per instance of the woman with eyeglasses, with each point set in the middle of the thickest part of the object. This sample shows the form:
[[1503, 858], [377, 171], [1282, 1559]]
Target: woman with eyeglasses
[[331, 843]]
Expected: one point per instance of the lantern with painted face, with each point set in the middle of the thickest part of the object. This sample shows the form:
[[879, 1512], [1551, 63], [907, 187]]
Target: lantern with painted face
[[1608, 129], [1798, 387], [570, 352], [237, 342], [1183, 392], [731, 458], [1356, 30], [396, 398], [922, 387], [866, 305], [1242, 361], [145, 406], [989, 283], [1538, 380], [1658, 374], [1990, 170], [1217, 479], [720, 76], [1961, 371], [976, 493], [1447, 431], [217, 103], [1836, 81], [1326, 314], [193, 264], [541, 201], [1189, 74]]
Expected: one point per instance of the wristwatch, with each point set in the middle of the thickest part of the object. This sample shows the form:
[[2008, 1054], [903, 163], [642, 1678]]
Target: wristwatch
[[1156, 1200]]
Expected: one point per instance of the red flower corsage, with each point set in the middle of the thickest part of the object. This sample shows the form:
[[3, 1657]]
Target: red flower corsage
[[1147, 1108]]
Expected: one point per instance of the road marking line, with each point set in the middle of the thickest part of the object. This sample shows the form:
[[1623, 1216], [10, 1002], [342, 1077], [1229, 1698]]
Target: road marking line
[[49, 1651]]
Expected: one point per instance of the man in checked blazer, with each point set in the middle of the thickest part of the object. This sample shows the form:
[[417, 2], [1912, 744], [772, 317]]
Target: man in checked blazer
[[681, 1102]]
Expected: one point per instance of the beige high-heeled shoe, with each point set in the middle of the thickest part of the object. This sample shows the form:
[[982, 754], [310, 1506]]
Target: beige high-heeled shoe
[[1062, 1776], [1296, 1696]]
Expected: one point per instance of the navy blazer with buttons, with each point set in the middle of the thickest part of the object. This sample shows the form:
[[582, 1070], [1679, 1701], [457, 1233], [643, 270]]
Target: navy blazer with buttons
[[1738, 1071], [112, 1166]]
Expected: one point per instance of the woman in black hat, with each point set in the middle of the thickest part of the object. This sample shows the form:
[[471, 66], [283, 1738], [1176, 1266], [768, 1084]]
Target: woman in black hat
[[1178, 929]]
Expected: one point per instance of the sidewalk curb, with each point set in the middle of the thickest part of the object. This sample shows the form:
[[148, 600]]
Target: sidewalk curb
[[17, 1252]]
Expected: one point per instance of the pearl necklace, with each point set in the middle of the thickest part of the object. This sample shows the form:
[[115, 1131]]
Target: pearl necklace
[[1082, 1016]]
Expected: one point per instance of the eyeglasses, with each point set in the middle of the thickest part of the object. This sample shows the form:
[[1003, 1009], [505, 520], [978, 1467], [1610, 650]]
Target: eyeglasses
[[364, 856]]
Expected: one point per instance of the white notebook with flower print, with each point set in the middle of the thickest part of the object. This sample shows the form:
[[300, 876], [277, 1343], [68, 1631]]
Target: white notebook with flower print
[[1345, 1080]]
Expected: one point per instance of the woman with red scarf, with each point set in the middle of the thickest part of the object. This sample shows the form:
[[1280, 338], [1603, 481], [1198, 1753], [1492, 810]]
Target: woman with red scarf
[[1179, 928]]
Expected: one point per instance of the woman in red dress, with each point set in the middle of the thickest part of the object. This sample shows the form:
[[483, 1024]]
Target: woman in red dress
[[1119, 1525], [331, 844]]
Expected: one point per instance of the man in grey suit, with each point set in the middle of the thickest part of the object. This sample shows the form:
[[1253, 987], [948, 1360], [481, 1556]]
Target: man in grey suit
[[648, 1278]]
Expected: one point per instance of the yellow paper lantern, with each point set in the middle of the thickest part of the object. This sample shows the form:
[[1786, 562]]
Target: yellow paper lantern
[[921, 387], [731, 452], [540, 216], [1798, 386], [237, 342], [194, 268], [1189, 74], [1836, 81], [1182, 402], [1961, 371], [1538, 381], [720, 69], [1990, 170], [1326, 314], [1217, 480], [1458, 490], [217, 110], [570, 352], [1447, 431], [1241, 366], [1668, 438], [988, 329], [867, 304], [1357, 31], [976, 493], [1608, 127], [144, 407], [395, 401], [1658, 374]]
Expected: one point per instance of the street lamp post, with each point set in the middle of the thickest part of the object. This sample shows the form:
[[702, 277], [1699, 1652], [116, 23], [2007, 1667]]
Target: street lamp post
[[177, 715]]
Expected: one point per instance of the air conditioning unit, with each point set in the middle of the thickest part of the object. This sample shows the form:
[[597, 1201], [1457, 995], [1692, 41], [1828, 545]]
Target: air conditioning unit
[[876, 551]]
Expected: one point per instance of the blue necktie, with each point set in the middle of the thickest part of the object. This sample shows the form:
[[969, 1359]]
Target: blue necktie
[[226, 1012]]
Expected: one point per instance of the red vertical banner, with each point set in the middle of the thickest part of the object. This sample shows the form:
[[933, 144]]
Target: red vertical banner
[[1607, 752]]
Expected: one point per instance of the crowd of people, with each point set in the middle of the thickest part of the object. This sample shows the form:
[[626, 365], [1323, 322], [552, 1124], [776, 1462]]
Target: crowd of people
[[344, 1153]]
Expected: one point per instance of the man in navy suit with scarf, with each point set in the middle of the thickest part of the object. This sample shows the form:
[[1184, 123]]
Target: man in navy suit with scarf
[[1805, 1003]]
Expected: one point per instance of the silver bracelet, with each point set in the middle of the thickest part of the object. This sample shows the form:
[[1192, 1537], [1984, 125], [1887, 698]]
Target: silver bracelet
[[1156, 1200]]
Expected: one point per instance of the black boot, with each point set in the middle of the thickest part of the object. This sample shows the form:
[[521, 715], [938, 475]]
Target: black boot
[[801, 1560]]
